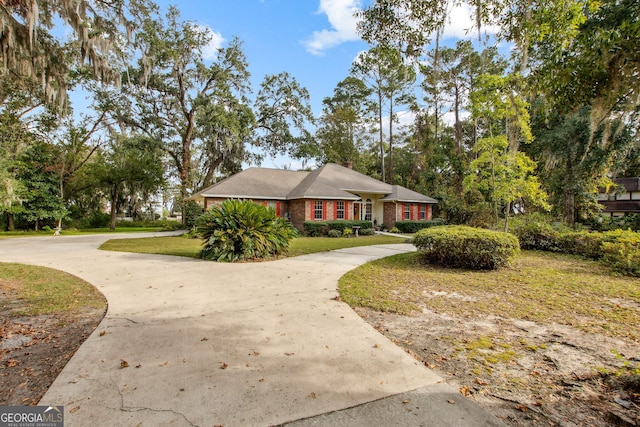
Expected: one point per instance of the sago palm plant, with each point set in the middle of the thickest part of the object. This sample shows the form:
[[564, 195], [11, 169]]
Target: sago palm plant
[[240, 229]]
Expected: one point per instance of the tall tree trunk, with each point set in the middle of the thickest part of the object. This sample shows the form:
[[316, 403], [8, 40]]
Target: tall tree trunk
[[570, 206], [569, 211], [391, 141], [114, 201], [458, 124], [10, 224], [381, 136]]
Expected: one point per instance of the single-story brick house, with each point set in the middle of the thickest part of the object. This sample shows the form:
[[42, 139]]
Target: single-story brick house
[[332, 192]]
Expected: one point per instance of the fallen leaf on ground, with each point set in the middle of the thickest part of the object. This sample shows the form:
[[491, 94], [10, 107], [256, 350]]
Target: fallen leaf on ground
[[123, 364], [465, 391], [224, 366]]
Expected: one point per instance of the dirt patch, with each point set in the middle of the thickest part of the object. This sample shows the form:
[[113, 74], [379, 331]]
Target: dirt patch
[[34, 349], [525, 373]]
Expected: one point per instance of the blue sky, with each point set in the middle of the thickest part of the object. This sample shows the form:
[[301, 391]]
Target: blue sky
[[314, 40]]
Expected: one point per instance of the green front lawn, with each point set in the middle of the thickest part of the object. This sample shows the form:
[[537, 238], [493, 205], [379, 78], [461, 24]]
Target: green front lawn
[[45, 291], [75, 232], [540, 287], [181, 246]]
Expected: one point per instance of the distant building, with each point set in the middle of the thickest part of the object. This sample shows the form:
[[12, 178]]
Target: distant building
[[623, 201]]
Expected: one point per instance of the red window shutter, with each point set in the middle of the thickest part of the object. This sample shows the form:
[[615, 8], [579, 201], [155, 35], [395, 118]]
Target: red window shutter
[[277, 207]]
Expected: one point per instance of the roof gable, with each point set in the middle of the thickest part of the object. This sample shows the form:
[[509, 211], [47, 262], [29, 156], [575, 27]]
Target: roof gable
[[402, 194], [335, 181]]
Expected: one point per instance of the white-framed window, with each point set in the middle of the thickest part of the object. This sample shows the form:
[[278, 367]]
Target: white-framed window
[[368, 215], [340, 210], [407, 211], [423, 212], [318, 209]]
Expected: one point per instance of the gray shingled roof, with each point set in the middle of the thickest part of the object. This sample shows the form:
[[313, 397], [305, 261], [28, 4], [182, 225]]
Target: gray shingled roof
[[401, 194], [256, 183], [331, 181]]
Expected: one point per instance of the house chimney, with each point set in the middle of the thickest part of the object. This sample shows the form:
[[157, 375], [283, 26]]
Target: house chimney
[[348, 165]]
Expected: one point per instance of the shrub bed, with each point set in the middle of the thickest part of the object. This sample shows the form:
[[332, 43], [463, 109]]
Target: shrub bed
[[618, 249], [321, 228], [466, 247], [415, 226]]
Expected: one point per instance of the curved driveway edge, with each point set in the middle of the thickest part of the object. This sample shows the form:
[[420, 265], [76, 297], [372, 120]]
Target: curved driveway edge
[[206, 343]]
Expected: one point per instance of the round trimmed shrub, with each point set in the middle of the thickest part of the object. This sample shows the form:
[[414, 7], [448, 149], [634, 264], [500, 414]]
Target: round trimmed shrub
[[466, 247], [240, 229]]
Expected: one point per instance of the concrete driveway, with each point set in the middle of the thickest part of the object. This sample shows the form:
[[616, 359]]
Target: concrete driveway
[[252, 344]]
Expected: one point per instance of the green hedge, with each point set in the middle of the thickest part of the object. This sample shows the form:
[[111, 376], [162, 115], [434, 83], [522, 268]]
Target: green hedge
[[466, 247], [623, 254], [618, 249], [415, 226], [321, 228], [163, 224]]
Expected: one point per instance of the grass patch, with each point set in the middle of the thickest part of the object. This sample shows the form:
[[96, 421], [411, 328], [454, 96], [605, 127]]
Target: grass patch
[[44, 291], [539, 287], [181, 246], [171, 245], [77, 232]]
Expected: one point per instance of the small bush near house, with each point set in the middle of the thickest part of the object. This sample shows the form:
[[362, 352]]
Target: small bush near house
[[415, 226], [366, 232], [192, 212], [394, 230], [321, 228], [334, 233], [347, 232], [466, 247], [240, 229]]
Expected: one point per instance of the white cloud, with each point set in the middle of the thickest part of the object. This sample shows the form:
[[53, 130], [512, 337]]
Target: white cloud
[[462, 21], [210, 51], [343, 25]]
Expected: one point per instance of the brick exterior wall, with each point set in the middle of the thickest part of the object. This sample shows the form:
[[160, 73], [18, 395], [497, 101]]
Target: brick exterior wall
[[389, 214], [396, 210], [298, 210], [302, 210]]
